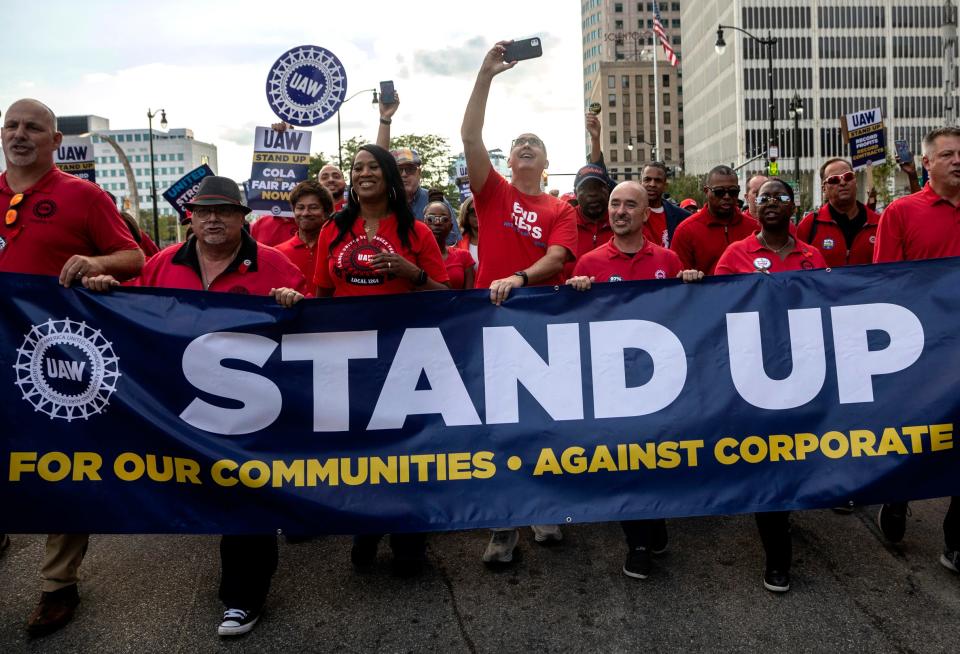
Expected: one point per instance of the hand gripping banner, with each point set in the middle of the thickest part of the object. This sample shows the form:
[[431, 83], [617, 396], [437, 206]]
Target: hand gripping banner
[[147, 410]]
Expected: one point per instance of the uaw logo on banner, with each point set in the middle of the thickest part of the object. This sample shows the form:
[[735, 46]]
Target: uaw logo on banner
[[75, 156], [66, 369], [306, 85]]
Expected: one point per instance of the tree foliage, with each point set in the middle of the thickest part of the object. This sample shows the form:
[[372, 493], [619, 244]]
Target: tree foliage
[[686, 186]]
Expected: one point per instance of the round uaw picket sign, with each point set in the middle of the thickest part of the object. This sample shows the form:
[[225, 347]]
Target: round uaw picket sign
[[306, 85], [66, 369]]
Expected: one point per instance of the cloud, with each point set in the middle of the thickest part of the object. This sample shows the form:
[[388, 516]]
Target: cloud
[[453, 60], [239, 135]]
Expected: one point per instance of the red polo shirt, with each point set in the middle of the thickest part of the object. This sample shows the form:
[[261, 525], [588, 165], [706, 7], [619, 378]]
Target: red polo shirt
[[609, 264], [829, 239], [300, 254], [255, 270], [273, 230], [749, 255], [346, 267], [701, 238], [655, 229], [919, 226], [518, 228], [590, 235], [60, 216], [457, 262]]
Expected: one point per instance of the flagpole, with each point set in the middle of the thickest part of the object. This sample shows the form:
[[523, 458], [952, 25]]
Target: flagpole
[[656, 102]]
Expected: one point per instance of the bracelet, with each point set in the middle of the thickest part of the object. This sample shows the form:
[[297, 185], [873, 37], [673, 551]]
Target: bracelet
[[386, 121], [421, 278]]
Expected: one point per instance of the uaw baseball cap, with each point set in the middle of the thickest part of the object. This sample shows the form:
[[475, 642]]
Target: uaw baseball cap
[[689, 203], [406, 156], [591, 171]]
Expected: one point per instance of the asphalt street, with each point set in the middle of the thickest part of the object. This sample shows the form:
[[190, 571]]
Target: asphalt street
[[851, 593]]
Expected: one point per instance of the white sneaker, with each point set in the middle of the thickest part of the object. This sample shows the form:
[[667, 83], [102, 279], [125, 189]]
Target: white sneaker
[[501, 546], [547, 533], [237, 622]]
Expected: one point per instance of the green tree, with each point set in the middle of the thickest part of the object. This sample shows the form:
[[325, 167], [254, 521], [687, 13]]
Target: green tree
[[881, 177], [317, 161], [686, 186]]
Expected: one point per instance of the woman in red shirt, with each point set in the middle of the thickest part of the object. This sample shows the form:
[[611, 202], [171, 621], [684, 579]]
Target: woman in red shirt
[[312, 205], [375, 246], [470, 229], [459, 262], [772, 249]]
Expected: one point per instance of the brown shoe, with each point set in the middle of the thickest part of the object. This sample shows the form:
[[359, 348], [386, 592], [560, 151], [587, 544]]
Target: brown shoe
[[54, 610]]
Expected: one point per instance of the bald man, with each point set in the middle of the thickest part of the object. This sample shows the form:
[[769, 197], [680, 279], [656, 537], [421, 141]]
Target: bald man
[[331, 178], [66, 227]]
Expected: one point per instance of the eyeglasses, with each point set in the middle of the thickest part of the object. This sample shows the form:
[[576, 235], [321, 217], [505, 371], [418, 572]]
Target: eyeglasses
[[436, 219], [206, 214], [780, 199], [408, 170], [733, 191], [12, 211], [526, 140], [836, 179]]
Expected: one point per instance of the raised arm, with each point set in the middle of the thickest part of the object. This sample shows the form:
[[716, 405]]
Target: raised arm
[[592, 122], [386, 117], [478, 161]]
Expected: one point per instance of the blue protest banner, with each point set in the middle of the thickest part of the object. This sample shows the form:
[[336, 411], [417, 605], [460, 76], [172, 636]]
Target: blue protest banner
[[863, 130], [306, 85], [75, 156], [280, 161], [183, 190], [148, 410]]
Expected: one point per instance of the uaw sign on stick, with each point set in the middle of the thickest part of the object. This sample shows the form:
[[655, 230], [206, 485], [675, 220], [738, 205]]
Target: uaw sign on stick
[[280, 162], [306, 85], [75, 156], [864, 133], [434, 411], [183, 190]]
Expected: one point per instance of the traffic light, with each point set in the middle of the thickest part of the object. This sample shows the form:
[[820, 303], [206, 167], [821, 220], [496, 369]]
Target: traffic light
[[773, 168]]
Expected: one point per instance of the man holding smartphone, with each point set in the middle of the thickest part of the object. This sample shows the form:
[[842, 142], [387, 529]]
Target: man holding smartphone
[[527, 235]]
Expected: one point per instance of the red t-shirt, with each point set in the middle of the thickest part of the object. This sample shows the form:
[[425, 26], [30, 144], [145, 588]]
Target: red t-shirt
[[590, 235], [457, 262], [701, 238], [273, 230], [255, 270], [60, 216], [655, 229], [147, 245], [518, 228], [829, 238], [300, 254], [919, 226], [608, 263], [339, 204], [346, 269], [749, 255]]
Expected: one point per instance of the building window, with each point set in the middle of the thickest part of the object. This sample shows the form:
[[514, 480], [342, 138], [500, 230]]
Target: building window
[[666, 115], [611, 82], [667, 135], [666, 81], [614, 156], [613, 119], [618, 7], [625, 81], [613, 137], [612, 100]]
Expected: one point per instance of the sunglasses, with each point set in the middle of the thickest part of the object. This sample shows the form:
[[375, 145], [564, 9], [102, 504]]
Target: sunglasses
[[13, 210], [436, 220], [766, 199], [526, 140], [733, 191], [836, 179]]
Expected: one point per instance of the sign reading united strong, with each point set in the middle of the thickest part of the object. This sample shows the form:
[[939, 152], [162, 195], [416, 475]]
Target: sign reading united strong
[[306, 85]]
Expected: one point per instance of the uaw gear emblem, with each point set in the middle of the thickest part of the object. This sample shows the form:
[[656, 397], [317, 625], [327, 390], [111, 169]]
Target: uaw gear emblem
[[660, 274], [828, 244], [66, 369], [762, 264], [306, 85]]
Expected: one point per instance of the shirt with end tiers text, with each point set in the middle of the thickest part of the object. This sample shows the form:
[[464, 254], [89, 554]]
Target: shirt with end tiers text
[[919, 226], [59, 216], [609, 264], [516, 229], [346, 267], [748, 256]]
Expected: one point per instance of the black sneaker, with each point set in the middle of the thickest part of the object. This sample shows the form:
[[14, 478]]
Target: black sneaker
[[658, 538], [237, 622], [363, 554], [776, 581], [950, 559], [892, 520], [638, 563]]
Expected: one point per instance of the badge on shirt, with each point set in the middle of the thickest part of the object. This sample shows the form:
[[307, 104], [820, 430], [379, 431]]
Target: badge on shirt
[[660, 274], [615, 278], [3, 243], [873, 239], [828, 243], [762, 264]]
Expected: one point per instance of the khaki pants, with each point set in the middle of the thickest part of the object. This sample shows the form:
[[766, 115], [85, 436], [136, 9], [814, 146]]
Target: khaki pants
[[61, 562]]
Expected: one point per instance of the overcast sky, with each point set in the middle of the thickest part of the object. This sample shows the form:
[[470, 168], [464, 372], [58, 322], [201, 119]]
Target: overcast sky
[[206, 63]]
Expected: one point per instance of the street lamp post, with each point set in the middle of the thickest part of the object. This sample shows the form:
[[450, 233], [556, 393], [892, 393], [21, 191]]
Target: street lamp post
[[153, 175], [653, 147], [768, 43], [339, 145], [796, 110]]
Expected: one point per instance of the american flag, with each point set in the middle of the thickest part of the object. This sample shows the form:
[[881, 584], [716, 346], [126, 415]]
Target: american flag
[[664, 41]]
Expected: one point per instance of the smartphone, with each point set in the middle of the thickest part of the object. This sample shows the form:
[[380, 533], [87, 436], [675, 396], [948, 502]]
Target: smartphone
[[523, 49], [388, 94], [903, 151]]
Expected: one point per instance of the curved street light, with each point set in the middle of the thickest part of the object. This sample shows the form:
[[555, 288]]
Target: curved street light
[[153, 176], [796, 111], [339, 145]]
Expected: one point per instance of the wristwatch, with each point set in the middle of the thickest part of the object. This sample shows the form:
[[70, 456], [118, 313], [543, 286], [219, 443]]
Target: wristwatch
[[522, 274]]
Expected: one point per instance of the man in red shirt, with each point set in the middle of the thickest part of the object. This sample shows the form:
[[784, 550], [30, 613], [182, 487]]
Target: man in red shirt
[[56, 224], [331, 178], [702, 238], [312, 208], [843, 229], [926, 225], [593, 228], [754, 182], [665, 217], [527, 235], [630, 256]]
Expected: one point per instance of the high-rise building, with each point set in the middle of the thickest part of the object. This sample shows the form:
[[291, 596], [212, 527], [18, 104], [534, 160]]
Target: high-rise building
[[837, 56], [618, 73]]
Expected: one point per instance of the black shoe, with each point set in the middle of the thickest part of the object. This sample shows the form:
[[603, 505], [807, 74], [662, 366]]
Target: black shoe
[[844, 509], [892, 519], [658, 537], [776, 581], [638, 563], [407, 566], [363, 554], [237, 622], [54, 610], [4, 543], [950, 559]]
